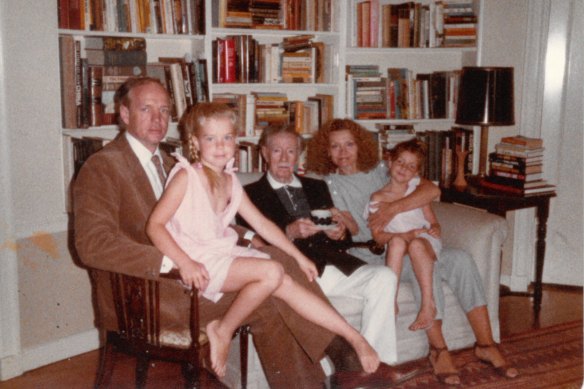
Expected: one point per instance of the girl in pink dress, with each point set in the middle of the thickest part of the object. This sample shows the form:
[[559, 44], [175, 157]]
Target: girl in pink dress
[[190, 225]]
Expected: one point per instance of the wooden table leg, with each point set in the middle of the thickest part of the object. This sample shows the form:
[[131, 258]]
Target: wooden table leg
[[542, 216]]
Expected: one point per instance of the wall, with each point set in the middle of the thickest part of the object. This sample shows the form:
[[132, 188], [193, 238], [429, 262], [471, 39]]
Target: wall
[[45, 312], [52, 310]]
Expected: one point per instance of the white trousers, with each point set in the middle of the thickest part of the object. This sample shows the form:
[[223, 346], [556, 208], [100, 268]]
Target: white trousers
[[376, 286]]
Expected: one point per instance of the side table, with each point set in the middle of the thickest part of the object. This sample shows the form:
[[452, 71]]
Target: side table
[[500, 203]]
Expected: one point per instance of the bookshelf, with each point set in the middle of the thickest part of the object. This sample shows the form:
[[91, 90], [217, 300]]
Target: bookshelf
[[336, 31], [422, 63]]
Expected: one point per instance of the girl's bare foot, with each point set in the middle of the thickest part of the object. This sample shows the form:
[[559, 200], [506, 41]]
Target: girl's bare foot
[[425, 318], [396, 308], [219, 348], [367, 355]]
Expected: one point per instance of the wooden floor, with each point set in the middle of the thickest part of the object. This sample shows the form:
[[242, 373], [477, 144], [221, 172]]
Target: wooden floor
[[560, 304]]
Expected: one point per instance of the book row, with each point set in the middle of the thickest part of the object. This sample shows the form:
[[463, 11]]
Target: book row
[[401, 94], [413, 24], [135, 16], [88, 84], [241, 59], [306, 15]]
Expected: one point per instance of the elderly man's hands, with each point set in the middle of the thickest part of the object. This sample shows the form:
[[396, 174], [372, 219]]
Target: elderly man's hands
[[301, 229]]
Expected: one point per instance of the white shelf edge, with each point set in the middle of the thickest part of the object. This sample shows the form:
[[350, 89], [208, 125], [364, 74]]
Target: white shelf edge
[[215, 31], [406, 50], [131, 34]]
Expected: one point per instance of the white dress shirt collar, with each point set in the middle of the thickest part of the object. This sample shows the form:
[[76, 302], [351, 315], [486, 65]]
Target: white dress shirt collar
[[277, 184], [145, 157]]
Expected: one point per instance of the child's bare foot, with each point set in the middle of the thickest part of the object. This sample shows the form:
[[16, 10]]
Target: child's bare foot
[[219, 348], [367, 355], [396, 308], [425, 318]]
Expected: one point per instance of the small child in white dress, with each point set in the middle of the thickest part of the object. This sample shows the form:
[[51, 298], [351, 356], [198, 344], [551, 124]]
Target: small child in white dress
[[415, 232]]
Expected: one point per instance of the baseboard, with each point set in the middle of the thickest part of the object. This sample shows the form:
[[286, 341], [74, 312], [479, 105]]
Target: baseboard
[[48, 353]]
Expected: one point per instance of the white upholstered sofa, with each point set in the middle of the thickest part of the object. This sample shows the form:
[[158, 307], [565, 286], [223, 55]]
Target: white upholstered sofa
[[479, 233]]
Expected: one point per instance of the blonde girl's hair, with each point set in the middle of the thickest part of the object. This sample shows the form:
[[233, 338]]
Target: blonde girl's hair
[[318, 156], [192, 124]]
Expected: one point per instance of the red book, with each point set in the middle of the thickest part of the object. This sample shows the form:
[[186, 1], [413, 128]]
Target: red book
[[230, 58]]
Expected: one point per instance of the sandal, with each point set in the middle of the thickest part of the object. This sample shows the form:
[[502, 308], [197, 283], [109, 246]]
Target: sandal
[[504, 370], [442, 377]]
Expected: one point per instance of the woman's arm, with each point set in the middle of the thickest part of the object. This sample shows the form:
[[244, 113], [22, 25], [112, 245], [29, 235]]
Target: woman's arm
[[425, 193], [272, 234], [192, 273]]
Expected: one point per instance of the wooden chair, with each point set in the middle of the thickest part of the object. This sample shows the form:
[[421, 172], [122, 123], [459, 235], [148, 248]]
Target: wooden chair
[[137, 308]]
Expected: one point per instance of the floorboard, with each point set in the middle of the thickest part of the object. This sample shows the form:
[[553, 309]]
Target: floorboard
[[560, 304]]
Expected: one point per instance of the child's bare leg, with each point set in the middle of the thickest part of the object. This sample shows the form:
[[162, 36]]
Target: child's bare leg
[[422, 257], [394, 259], [313, 308], [255, 279]]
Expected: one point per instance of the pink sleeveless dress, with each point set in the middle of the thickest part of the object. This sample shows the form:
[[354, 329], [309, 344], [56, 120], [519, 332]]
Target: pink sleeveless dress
[[204, 235]]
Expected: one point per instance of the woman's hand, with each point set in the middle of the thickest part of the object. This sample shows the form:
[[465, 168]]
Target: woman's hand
[[194, 274], [435, 230], [385, 213]]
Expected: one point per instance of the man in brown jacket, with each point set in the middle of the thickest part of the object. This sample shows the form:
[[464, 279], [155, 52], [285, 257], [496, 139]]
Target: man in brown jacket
[[114, 195]]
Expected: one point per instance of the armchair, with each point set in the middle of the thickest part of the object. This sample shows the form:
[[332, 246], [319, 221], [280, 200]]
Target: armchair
[[137, 308]]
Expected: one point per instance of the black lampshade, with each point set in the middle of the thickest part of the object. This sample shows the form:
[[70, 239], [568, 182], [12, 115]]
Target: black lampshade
[[485, 96]]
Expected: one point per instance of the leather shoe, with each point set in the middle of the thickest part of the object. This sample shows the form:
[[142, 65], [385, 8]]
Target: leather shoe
[[342, 355], [384, 377]]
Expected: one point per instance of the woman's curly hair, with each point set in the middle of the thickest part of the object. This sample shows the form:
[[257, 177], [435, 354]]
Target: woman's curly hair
[[318, 158]]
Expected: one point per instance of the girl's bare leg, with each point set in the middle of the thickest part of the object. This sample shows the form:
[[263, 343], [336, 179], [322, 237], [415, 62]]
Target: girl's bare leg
[[394, 259], [255, 279], [312, 308], [422, 257]]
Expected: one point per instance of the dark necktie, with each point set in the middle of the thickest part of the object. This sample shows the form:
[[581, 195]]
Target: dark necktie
[[159, 170]]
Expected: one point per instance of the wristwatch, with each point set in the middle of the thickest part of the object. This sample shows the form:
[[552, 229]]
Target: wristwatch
[[247, 238]]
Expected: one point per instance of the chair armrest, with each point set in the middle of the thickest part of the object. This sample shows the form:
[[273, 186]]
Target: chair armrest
[[480, 234]]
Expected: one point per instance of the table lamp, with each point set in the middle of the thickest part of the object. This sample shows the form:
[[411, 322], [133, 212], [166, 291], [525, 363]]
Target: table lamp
[[485, 98]]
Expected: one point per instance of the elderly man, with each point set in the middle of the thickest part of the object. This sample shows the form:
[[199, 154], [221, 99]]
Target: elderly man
[[287, 199]]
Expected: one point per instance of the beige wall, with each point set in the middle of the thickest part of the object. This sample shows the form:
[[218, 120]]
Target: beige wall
[[54, 293]]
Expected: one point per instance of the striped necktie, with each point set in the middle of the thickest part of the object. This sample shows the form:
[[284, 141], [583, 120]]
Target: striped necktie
[[159, 170]]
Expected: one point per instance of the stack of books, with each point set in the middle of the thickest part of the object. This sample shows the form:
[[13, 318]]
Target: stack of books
[[460, 23], [270, 109], [517, 167], [366, 92]]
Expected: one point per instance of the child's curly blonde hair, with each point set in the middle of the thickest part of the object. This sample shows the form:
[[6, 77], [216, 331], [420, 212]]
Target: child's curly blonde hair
[[318, 157]]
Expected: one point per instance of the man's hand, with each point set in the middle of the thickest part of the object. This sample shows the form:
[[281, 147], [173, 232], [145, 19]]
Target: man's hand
[[301, 229], [385, 213], [337, 233], [194, 274], [308, 267]]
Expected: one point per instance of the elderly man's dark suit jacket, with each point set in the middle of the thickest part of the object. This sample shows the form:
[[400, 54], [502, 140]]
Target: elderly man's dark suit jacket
[[319, 248], [112, 202]]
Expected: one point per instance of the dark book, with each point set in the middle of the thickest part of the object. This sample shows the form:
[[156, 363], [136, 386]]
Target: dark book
[[83, 148], [68, 81], [122, 43], [95, 74], [116, 57]]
